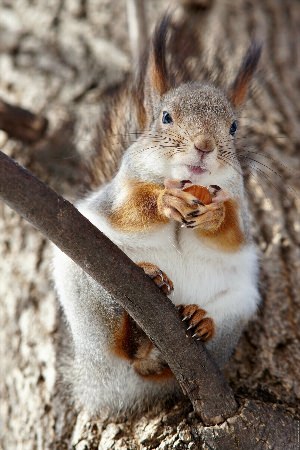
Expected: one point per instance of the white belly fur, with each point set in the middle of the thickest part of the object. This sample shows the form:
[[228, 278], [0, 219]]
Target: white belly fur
[[224, 284]]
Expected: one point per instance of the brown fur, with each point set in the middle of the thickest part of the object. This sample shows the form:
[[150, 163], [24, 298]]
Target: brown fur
[[240, 86], [126, 338], [139, 212], [138, 92], [131, 343], [152, 369], [141, 113], [164, 374], [160, 79], [229, 236], [114, 132]]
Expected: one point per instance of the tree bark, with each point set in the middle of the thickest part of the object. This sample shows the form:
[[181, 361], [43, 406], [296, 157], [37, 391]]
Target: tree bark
[[60, 57]]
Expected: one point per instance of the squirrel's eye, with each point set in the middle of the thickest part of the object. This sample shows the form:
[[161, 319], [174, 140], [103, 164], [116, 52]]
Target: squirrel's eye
[[233, 128], [166, 117]]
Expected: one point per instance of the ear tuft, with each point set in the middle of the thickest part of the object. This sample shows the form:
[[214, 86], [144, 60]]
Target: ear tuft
[[158, 66], [239, 89]]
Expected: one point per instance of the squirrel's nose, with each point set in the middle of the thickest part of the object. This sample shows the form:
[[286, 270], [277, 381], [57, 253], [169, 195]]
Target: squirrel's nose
[[204, 144]]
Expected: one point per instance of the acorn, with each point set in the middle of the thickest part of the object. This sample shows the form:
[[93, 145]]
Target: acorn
[[200, 192]]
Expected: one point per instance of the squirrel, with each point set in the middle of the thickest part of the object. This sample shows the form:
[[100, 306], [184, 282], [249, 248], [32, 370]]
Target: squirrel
[[201, 256]]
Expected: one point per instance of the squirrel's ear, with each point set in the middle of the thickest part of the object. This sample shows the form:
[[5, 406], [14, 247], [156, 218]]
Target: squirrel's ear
[[158, 72], [239, 88]]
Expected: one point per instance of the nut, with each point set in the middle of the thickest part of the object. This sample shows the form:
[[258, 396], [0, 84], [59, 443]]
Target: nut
[[200, 192]]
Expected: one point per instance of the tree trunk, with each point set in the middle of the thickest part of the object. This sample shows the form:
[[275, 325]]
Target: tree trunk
[[58, 65]]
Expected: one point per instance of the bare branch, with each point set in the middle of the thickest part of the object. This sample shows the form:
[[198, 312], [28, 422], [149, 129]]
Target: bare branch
[[20, 123]]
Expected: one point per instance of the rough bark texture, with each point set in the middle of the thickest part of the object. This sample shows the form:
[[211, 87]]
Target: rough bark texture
[[56, 58]]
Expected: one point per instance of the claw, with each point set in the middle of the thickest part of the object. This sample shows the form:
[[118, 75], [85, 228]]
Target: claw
[[203, 327], [197, 202], [161, 275], [187, 224], [194, 213], [158, 276], [215, 186], [184, 182]]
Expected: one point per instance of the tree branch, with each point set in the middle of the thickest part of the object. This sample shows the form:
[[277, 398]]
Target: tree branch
[[62, 223], [20, 123]]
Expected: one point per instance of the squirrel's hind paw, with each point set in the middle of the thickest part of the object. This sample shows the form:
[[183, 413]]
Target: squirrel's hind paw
[[202, 327], [158, 276]]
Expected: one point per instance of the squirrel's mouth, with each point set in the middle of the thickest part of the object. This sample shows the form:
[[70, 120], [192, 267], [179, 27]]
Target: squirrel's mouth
[[196, 170]]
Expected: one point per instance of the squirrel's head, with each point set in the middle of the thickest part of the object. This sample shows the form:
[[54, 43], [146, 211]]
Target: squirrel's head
[[192, 127]]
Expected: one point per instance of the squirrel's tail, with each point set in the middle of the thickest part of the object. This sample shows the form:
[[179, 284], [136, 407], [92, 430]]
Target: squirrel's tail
[[128, 108]]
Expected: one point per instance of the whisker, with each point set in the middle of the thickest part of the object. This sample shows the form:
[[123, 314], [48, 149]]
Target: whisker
[[232, 165], [290, 188], [262, 164], [265, 176], [263, 155], [275, 186], [253, 174]]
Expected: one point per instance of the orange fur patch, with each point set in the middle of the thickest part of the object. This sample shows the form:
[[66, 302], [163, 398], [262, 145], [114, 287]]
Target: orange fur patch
[[126, 338], [151, 369], [239, 94], [158, 80], [139, 212], [165, 374], [229, 236], [240, 87], [132, 344]]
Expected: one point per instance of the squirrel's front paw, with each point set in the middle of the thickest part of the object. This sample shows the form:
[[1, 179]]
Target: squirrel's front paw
[[189, 211], [202, 327], [210, 219], [158, 276], [180, 206]]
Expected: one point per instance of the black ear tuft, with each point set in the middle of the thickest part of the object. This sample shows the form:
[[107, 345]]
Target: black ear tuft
[[240, 86], [160, 81]]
